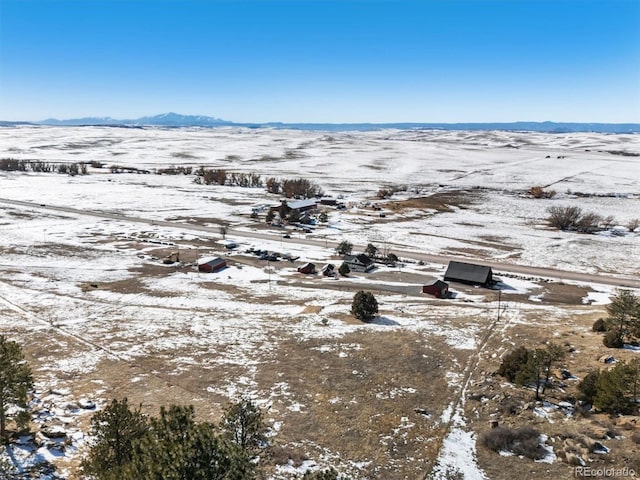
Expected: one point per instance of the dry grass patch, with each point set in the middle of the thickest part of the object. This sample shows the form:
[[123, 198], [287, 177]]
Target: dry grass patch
[[356, 397]]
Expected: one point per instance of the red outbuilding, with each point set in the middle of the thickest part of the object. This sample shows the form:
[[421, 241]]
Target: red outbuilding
[[437, 288], [211, 264]]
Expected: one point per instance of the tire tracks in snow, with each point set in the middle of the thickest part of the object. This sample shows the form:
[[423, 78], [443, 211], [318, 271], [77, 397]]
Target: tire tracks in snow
[[456, 418]]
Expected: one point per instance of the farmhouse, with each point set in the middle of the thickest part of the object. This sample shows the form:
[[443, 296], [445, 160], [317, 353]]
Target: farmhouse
[[437, 288], [469, 273], [302, 205], [358, 263], [211, 264]]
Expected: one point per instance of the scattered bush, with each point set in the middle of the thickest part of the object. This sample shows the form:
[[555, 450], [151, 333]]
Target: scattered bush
[[540, 192], [599, 325], [300, 187], [635, 438], [344, 248], [588, 387], [329, 474], [573, 218], [613, 339], [513, 362], [524, 441], [173, 170], [387, 192], [633, 224], [564, 218]]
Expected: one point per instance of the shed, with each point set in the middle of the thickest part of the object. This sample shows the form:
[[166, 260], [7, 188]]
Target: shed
[[329, 270], [307, 268], [359, 263], [211, 264], [437, 288], [469, 273]]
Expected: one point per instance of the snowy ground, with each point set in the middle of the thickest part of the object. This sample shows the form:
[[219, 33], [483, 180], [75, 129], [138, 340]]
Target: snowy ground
[[92, 299]]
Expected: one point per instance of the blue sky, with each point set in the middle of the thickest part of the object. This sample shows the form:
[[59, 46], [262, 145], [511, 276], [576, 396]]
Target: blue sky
[[322, 60]]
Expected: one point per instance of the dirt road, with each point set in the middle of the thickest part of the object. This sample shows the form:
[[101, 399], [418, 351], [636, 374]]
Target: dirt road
[[401, 251]]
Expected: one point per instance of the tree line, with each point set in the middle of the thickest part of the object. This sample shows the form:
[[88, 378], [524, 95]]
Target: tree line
[[38, 166]]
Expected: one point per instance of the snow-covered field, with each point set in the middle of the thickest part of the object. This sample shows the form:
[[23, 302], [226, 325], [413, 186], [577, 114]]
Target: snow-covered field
[[94, 293]]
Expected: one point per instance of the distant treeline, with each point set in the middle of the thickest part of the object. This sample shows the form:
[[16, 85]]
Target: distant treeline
[[15, 165], [289, 187]]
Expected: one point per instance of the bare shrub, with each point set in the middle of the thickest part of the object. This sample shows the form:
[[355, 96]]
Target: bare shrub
[[300, 187], [633, 224], [564, 218], [599, 325], [588, 223], [282, 455], [613, 339], [540, 192], [389, 191], [497, 439], [525, 441]]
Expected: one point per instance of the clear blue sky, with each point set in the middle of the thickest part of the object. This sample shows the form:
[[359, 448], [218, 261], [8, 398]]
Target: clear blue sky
[[322, 60]]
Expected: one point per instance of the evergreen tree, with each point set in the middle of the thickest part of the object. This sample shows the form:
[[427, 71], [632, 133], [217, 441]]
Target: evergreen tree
[[364, 306], [513, 362], [15, 381], [612, 388], [178, 448], [344, 269], [270, 216], [371, 250], [115, 430], [624, 314], [588, 387], [243, 423], [344, 248]]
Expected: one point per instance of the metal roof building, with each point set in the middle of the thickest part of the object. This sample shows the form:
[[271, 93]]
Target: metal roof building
[[468, 273]]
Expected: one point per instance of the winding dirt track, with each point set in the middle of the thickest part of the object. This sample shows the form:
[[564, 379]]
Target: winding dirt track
[[409, 254]]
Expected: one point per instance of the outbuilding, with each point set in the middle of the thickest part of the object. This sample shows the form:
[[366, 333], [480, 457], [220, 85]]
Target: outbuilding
[[211, 264], [307, 268], [437, 288], [469, 273]]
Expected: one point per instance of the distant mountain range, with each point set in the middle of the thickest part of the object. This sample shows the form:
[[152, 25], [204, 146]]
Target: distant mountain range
[[176, 120]]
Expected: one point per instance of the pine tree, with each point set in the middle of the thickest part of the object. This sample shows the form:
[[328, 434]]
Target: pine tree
[[243, 423], [344, 269], [624, 314], [115, 429], [612, 388], [15, 380], [344, 248], [364, 306]]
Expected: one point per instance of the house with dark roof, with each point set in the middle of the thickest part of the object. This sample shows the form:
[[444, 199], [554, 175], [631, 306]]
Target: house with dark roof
[[437, 288], [469, 273], [359, 263]]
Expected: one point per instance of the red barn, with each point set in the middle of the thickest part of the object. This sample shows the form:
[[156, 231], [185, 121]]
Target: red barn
[[437, 288], [211, 264]]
